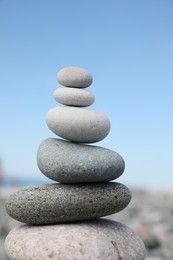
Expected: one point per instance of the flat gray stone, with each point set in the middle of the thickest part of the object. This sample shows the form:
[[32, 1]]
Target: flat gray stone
[[74, 77], [74, 97], [78, 124], [60, 203], [68, 162], [98, 239]]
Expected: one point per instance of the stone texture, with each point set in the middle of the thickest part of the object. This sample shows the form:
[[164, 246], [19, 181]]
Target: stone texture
[[98, 239], [74, 77], [68, 162], [74, 97], [60, 203], [142, 213], [78, 124]]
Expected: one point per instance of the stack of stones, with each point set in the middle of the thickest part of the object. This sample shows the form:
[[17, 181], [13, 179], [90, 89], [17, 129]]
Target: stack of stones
[[63, 219]]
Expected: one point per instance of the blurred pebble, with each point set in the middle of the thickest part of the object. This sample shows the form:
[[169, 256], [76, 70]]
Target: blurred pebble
[[150, 239]]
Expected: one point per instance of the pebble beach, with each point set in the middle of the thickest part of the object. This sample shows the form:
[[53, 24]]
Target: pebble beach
[[150, 214]]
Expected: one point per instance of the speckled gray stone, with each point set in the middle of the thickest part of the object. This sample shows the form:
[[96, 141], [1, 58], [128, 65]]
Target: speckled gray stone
[[60, 203], [74, 97], [100, 239], [78, 124], [68, 162], [74, 77]]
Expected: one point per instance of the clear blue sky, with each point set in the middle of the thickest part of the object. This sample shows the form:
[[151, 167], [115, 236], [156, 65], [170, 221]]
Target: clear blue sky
[[128, 48]]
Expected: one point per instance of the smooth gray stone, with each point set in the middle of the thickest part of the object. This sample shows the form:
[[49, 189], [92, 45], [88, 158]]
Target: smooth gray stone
[[60, 203], [74, 77], [78, 124], [68, 162], [100, 239], [74, 97]]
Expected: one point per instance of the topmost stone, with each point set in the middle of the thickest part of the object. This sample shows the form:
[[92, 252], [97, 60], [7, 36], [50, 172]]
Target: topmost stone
[[75, 77]]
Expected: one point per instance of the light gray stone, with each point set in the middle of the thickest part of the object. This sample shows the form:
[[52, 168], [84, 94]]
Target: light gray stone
[[74, 97], [74, 77], [78, 124], [95, 240], [60, 203], [68, 162]]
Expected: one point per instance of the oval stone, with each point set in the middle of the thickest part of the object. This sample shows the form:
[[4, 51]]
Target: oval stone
[[60, 203], [74, 77], [68, 162], [78, 124], [74, 97], [101, 239]]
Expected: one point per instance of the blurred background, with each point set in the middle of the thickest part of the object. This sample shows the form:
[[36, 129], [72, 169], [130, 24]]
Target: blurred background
[[128, 48]]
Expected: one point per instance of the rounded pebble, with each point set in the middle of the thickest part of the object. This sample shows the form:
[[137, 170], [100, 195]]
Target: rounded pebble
[[74, 97], [95, 240], [78, 124], [74, 77], [68, 162], [60, 203]]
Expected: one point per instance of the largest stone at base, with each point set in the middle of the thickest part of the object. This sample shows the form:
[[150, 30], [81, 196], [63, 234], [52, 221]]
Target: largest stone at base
[[101, 239]]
